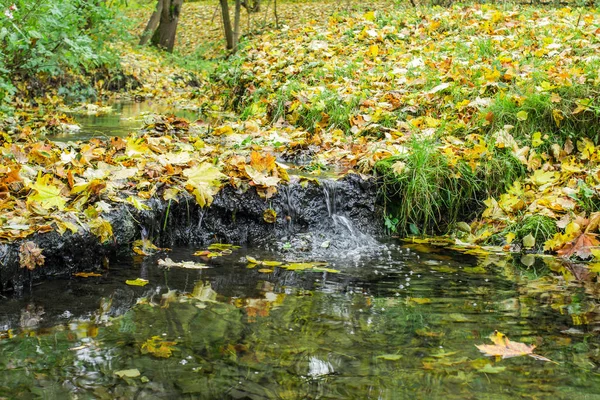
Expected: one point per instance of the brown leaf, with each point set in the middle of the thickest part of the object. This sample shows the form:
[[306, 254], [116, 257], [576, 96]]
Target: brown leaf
[[579, 247], [505, 348], [30, 256]]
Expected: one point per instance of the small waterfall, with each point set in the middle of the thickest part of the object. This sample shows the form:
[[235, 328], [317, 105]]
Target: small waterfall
[[329, 189], [144, 233], [290, 207], [333, 196]]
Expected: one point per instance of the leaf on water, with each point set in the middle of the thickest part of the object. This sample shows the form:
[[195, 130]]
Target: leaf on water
[[86, 274], [390, 357], [265, 270], [222, 246], [505, 348], [137, 282], [330, 270], [271, 263], [300, 266], [252, 260], [475, 270], [30, 256], [128, 373], [168, 263]]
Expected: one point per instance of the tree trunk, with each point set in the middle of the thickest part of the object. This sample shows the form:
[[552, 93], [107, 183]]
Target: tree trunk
[[227, 24], [276, 16], [164, 36], [236, 24], [152, 23]]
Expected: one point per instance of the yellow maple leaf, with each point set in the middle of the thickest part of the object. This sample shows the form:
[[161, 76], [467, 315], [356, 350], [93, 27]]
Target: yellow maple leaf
[[203, 181], [45, 193], [102, 229], [264, 163], [540, 178], [136, 147]]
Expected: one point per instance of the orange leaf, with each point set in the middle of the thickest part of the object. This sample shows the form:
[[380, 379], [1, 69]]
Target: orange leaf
[[580, 246], [505, 348]]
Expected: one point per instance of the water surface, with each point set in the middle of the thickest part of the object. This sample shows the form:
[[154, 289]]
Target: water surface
[[393, 323]]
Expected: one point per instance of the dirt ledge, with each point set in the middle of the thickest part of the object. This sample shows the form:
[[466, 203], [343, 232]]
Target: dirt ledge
[[234, 217]]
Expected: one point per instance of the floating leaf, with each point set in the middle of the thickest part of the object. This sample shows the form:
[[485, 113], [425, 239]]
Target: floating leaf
[[252, 260], [137, 282], [86, 274], [168, 263], [222, 246], [505, 348], [529, 241]]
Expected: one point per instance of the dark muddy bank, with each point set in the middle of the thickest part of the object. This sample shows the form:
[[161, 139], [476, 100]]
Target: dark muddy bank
[[307, 219]]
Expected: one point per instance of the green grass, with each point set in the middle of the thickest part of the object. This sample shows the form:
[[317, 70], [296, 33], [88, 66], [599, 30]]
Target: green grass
[[424, 194]]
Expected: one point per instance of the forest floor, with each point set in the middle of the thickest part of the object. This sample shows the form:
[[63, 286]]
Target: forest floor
[[480, 122]]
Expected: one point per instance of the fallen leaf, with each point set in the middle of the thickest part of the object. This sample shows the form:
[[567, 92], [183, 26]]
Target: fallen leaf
[[505, 348], [128, 373], [137, 282], [30, 256]]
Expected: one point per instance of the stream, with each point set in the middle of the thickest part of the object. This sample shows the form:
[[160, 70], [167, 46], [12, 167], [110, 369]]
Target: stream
[[397, 321], [375, 320]]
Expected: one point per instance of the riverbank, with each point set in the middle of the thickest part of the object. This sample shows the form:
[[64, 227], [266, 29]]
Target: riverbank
[[476, 122]]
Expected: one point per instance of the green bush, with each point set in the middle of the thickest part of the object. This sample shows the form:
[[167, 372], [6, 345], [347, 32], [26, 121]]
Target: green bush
[[46, 39]]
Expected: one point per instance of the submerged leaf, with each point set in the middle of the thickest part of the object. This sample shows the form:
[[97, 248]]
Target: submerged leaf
[[128, 373]]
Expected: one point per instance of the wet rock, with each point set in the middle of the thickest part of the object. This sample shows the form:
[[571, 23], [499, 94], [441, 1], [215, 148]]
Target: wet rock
[[322, 212]]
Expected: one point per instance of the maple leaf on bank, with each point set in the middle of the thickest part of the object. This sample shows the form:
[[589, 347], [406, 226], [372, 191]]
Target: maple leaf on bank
[[581, 246], [505, 348], [47, 194], [203, 181]]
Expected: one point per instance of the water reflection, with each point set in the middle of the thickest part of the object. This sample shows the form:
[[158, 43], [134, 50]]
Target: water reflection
[[404, 326]]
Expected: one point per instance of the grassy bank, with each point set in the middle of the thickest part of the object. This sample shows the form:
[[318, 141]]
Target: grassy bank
[[480, 121]]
